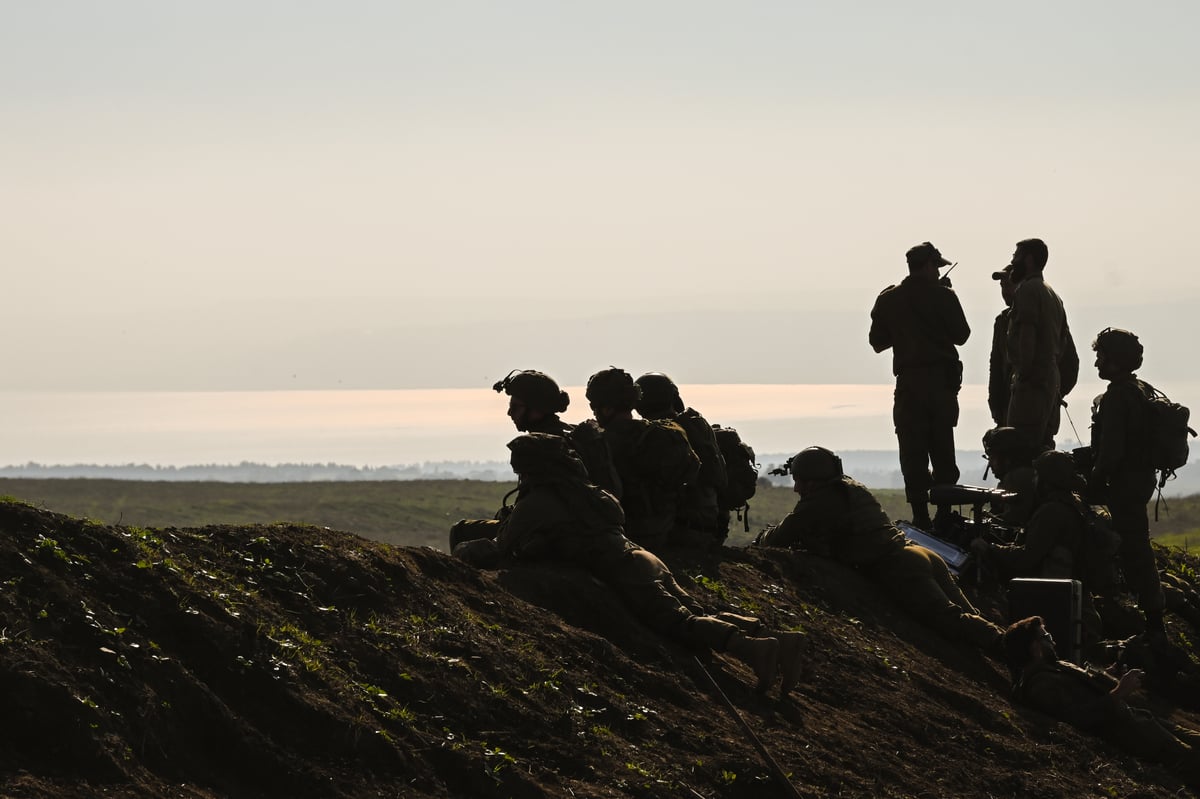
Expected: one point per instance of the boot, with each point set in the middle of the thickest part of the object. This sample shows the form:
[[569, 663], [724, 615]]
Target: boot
[[920, 516], [760, 654], [747, 624], [793, 659]]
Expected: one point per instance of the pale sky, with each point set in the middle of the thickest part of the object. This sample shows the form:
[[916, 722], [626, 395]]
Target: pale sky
[[320, 195]]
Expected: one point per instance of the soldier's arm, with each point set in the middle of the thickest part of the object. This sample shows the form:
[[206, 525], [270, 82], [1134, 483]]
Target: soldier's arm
[[1061, 696], [956, 319], [1109, 451], [880, 334], [998, 371], [1041, 534]]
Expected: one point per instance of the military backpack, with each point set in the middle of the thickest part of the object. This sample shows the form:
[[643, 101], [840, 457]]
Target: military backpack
[[741, 470], [1167, 432], [704, 444]]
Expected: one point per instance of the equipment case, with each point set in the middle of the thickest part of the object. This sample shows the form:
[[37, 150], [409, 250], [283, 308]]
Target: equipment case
[[1059, 603]]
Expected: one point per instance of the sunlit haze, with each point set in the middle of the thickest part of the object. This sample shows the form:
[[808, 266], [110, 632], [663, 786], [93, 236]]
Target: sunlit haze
[[256, 196]]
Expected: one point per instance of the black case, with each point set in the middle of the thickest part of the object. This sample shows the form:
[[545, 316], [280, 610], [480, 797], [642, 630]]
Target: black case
[[1059, 603]]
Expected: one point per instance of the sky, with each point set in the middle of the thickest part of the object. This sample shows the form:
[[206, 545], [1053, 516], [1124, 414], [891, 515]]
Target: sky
[[263, 195]]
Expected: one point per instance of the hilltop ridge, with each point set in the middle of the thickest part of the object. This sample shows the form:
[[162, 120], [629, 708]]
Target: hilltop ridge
[[292, 661]]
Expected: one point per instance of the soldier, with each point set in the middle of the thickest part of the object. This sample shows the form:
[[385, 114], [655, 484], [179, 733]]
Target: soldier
[[1122, 474], [922, 322], [838, 518], [698, 524], [1055, 542], [999, 372], [1038, 341], [1010, 457], [534, 403], [653, 459], [1095, 701], [559, 516]]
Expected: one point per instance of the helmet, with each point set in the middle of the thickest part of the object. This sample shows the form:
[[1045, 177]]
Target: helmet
[[1008, 442], [613, 387], [1120, 347], [815, 463], [535, 389], [545, 455], [1057, 470], [658, 391]]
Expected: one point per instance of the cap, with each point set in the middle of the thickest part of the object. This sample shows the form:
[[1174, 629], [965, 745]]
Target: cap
[[923, 253]]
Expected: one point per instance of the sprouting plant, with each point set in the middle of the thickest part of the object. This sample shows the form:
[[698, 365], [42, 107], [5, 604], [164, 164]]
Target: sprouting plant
[[727, 777]]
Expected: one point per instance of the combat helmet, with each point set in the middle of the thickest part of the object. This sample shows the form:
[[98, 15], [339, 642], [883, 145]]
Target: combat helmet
[[613, 387], [1057, 470], [1120, 346], [536, 389], [658, 392], [545, 455], [815, 463], [1007, 442]]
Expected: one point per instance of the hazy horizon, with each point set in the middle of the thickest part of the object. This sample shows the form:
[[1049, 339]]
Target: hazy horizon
[[388, 195]]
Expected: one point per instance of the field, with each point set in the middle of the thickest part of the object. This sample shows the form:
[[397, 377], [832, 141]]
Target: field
[[404, 513]]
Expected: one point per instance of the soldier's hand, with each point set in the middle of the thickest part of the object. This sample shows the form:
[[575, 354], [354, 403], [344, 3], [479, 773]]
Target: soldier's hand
[[945, 281]]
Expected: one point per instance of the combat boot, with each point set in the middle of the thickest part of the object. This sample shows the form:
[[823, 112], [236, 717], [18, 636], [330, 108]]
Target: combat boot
[[793, 659], [760, 654]]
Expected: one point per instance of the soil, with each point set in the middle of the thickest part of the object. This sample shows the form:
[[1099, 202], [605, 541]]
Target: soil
[[291, 661]]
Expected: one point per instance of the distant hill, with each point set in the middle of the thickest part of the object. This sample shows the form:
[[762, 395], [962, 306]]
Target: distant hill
[[873, 468], [271, 661]]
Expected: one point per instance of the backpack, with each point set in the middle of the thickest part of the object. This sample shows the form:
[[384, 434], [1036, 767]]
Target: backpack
[[1167, 433], [592, 448], [740, 469], [704, 444], [665, 459]]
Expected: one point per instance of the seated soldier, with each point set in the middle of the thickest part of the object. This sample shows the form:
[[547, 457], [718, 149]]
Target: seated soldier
[[653, 459], [699, 522], [1010, 457], [559, 516], [1055, 537], [838, 518], [1095, 701]]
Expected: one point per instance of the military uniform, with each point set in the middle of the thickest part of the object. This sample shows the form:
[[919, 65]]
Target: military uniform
[[698, 523], [922, 322], [1084, 699], [1122, 472], [841, 520], [1037, 336], [563, 518], [999, 372]]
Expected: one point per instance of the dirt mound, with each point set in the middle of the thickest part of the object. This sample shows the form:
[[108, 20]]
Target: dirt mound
[[287, 661]]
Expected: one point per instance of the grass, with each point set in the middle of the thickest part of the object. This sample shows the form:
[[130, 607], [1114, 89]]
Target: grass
[[404, 513]]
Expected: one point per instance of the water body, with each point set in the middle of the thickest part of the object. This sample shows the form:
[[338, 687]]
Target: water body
[[382, 428]]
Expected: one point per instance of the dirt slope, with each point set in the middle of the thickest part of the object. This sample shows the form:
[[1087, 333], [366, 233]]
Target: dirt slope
[[284, 661]]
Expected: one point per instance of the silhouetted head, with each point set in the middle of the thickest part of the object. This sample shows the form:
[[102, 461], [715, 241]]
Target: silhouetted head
[[660, 396], [613, 388], [1117, 351], [1030, 256], [924, 255], [533, 396], [1056, 469], [1006, 448], [815, 464], [1026, 641], [544, 455]]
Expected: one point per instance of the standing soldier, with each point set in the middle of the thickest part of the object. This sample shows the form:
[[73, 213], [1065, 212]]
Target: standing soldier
[[1122, 471], [922, 322], [1038, 337], [699, 514], [999, 372]]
